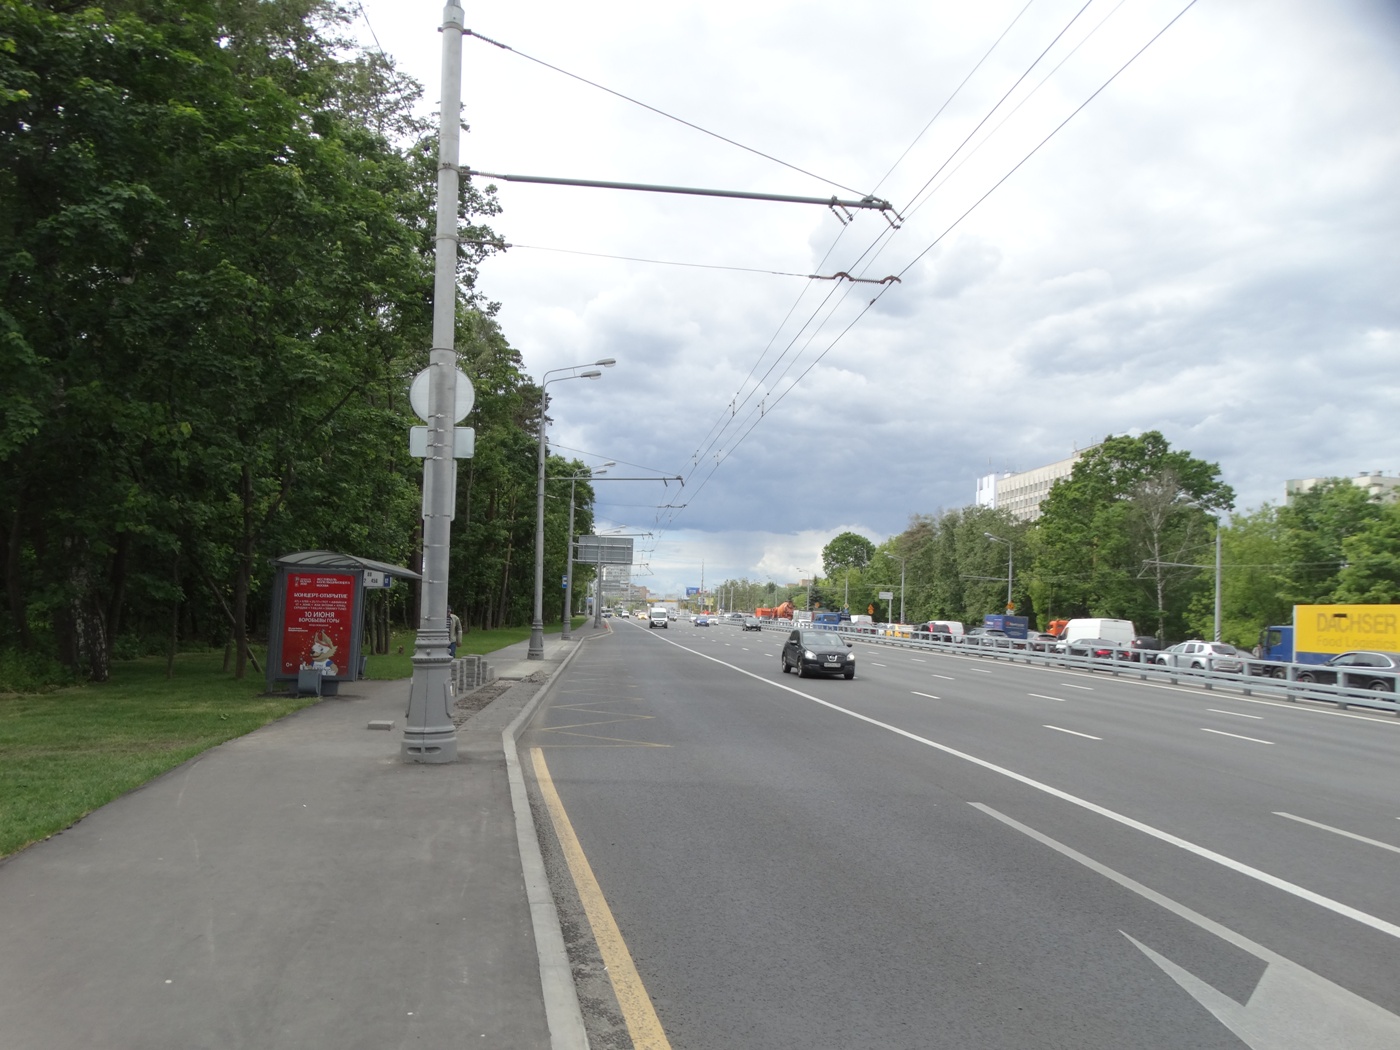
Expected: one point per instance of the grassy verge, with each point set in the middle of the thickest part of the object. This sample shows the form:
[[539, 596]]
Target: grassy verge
[[67, 752], [396, 664]]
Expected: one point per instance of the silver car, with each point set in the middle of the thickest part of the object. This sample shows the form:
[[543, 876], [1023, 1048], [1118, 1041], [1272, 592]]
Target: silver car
[[1201, 656]]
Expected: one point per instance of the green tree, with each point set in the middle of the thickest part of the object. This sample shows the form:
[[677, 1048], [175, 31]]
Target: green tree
[[216, 272], [849, 550], [1372, 569], [1107, 535], [1316, 526]]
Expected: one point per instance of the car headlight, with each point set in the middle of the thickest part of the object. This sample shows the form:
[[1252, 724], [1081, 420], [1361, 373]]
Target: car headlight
[[809, 654], [851, 657]]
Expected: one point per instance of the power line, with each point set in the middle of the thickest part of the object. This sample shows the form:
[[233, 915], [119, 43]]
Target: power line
[[662, 112], [695, 492], [738, 402]]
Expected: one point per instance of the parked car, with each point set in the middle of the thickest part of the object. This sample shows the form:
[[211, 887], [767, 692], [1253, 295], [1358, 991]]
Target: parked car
[[1201, 656], [737, 617], [702, 620], [753, 623], [1038, 642], [1097, 648], [1359, 669], [987, 636], [1144, 647], [809, 651]]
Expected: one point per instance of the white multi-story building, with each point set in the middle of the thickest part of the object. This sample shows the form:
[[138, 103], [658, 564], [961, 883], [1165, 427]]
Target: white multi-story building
[[1377, 485], [1021, 492]]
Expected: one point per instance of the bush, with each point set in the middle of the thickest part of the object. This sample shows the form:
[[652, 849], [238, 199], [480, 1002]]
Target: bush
[[31, 672]]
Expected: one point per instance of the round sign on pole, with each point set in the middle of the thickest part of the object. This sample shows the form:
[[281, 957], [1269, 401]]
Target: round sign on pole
[[418, 395]]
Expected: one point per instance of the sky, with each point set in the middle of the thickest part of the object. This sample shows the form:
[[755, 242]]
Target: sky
[[1201, 240]]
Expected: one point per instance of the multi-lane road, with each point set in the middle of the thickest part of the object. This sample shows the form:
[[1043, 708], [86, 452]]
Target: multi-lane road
[[951, 851]]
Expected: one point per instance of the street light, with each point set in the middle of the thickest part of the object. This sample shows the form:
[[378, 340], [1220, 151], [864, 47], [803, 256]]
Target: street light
[[536, 650], [1000, 539], [801, 573], [569, 566]]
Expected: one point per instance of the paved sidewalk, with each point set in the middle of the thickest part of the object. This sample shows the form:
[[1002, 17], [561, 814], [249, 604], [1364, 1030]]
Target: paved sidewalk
[[299, 887]]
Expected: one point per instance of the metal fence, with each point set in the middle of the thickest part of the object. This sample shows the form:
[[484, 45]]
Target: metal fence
[[1139, 665]]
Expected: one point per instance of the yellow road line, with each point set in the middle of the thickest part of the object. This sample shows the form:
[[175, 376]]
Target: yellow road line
[[642, 1023]]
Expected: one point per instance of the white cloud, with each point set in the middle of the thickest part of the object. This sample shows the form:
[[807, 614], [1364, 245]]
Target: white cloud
[[1207, 249]]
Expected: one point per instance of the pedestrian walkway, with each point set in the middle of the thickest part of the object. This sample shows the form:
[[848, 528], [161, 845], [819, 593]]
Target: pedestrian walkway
[[298, 887]]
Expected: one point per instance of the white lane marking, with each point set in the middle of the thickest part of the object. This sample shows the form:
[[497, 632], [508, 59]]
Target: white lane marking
[[950, 678], [1290, 1006], [1339, 831], [1071, 685], [1390, 929], [1237, 714], [1251, 739], [929, 695], [877, 664], [1042, 696], [1072, 732], [917, 660], [745, 648]]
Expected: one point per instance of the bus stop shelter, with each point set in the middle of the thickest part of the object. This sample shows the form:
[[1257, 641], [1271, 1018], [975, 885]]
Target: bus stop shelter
[[318, 606]]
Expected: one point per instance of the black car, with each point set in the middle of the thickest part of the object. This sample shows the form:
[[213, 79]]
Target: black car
[[818, 652], [753, 623], [1357, 670], [1143, 648]]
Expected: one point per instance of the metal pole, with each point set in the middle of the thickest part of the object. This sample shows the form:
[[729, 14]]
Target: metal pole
[[598, 601], [429, 735], [536, 649], [901, 591], [1217, 581], [1008, 577], [569, 568]]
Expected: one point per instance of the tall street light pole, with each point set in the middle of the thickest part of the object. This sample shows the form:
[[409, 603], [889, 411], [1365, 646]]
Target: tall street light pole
[[569, 565], [1000, 539], [536, 650], [429, 735]]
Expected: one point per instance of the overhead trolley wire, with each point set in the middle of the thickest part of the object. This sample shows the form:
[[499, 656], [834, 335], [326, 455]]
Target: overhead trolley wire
[[953, 225], [1003, 98], [663, 113], [741, 398]]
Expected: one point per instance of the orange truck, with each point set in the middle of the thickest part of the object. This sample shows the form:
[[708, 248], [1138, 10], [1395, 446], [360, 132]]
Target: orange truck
[[780, 612]]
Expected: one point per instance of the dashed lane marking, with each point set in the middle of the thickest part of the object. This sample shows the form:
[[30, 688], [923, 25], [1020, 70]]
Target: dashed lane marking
[[1251, 739], [1073, 732]]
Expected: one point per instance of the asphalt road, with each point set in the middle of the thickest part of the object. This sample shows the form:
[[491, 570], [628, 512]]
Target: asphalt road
[[951, 851]]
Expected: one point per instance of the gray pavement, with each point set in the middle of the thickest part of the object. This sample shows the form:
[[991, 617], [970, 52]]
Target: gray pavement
[[300, 887]]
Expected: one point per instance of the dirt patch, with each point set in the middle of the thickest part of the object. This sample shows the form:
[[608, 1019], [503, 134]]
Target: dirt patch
[[483, 696]]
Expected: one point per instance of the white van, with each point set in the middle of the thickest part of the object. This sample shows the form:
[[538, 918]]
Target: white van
[[1110, 630], [660, 616]]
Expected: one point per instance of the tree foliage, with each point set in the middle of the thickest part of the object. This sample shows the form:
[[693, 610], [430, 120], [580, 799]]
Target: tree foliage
[[216, 261]]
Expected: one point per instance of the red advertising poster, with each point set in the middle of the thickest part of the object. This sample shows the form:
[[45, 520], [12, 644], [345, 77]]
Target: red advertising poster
[[319, 618]]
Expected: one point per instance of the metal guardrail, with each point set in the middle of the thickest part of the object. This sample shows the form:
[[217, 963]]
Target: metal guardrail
[[1287, 687]]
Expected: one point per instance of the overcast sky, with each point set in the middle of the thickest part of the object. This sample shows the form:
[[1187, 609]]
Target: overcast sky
[[1208, 248]]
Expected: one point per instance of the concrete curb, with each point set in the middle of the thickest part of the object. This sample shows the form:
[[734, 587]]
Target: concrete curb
[[561, 1006]]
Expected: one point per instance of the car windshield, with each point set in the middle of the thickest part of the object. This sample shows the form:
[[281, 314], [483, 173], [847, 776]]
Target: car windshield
[[1221, 649], [821, 639]]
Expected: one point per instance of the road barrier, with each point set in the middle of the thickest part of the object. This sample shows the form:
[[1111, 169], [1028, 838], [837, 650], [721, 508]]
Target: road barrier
[[1208, 677]]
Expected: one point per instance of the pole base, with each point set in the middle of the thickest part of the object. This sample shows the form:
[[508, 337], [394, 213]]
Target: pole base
[[429, 736]]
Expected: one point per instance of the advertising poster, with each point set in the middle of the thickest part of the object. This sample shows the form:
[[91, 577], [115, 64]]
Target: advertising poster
[[319, 620]]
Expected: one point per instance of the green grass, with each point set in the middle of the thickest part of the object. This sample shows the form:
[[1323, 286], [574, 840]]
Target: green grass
[[476, 641], [65, 752]]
